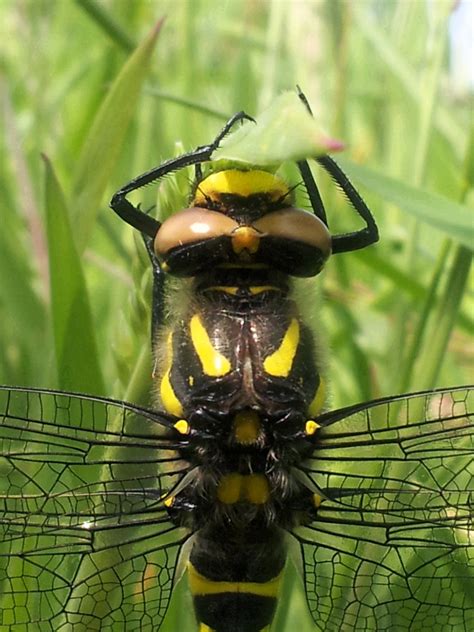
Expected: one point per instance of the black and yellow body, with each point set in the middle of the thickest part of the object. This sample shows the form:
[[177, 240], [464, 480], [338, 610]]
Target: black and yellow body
[[237, 368], [240, 370]]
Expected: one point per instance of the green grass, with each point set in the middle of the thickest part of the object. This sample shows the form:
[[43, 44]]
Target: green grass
[[74, 281]]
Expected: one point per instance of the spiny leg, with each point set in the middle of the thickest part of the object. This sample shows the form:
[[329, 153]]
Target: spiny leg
[[349, 241], [132, 214]]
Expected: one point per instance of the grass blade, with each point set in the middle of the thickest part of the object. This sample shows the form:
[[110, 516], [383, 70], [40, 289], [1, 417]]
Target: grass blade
[[76, 351], [102, 146]]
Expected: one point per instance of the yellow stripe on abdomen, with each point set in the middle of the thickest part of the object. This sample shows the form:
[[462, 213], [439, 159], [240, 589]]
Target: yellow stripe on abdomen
[[249, 488], [201, 585]]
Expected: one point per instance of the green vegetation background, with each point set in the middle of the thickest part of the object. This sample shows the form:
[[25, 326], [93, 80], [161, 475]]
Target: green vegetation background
[[75, 282]]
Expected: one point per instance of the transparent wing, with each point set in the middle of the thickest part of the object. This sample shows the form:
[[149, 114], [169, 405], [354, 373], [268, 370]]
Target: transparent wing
[[392, 546], [85, 538]]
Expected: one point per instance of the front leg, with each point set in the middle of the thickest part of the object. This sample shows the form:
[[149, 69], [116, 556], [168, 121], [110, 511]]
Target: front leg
[[144, 223], [133, 215]]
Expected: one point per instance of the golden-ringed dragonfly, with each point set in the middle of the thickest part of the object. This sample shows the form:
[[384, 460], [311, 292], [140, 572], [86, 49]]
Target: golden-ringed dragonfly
[[103, 504]]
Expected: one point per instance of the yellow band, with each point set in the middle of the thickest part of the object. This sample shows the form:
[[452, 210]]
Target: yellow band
[[200, 585]]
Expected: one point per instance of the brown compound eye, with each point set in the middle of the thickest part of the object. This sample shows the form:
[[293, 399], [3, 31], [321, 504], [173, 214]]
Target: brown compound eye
[[297, 225], [192, 225]]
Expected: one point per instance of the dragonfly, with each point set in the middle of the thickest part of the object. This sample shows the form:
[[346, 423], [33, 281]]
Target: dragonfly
[[237, 467]]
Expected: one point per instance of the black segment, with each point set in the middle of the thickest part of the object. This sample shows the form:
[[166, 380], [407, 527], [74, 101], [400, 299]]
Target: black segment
[[228, 612]]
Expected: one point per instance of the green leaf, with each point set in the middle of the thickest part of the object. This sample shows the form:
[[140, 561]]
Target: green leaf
[[285, 131], [453, 219], [76, 352], [432, 355], [16, 290], [103, 144], [106, 21]]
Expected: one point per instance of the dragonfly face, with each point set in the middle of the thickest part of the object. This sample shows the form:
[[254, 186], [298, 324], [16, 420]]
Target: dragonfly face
[[98, 498]]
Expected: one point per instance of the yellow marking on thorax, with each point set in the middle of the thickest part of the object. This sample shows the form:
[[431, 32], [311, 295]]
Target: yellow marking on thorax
[[258, 289], [182, 426], [317, 402], [213, 363], [227, 289], [234, 289], [169, 400], [169, 501], [311, 427], [237, 182], [246, 427], [201, 585], [205, 628], [317, 500], [250, 488], [279, 363]]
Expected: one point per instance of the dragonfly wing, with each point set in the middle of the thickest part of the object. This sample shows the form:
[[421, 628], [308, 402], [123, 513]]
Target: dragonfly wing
[[85, 536], [392, 545]]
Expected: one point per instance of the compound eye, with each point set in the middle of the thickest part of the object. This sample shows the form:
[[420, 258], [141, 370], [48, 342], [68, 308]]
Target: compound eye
[[296, 225], [191, 225]]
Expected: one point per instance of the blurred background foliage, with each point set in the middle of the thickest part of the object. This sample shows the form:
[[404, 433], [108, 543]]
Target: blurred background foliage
[[381, 76]]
